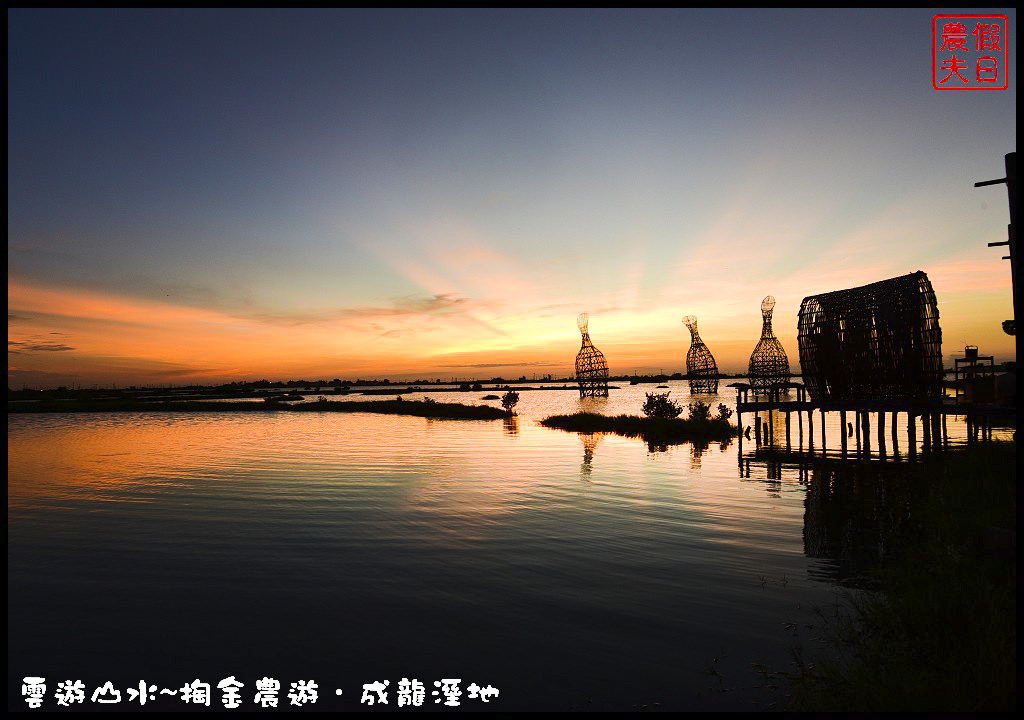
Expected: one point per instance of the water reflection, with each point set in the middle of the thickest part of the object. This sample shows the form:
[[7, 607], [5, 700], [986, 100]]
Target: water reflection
[[511, 425], [590, 442], [427, 547], [855, 512]]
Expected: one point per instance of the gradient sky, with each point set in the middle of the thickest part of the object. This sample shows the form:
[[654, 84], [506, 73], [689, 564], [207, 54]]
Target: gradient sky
[[208, 195]]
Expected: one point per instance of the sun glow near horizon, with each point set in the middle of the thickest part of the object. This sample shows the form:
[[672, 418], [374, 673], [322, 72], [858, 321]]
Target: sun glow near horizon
[[435, 215]]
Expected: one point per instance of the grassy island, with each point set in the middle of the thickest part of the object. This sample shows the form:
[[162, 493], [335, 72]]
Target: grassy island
[[656, 431], [420, 408]]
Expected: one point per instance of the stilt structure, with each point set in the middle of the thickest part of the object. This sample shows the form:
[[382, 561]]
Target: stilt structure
[[701, 368], [591, 367], [769, 365]]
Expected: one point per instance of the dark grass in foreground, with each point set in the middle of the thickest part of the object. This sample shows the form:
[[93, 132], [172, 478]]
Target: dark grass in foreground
[[940, 632], [656, 431], [420, 408]]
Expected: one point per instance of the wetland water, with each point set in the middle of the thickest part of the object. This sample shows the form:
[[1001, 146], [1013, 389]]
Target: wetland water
[[567, 571]]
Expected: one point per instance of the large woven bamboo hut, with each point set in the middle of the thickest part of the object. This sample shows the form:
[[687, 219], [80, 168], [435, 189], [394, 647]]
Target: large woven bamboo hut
[[876, 342]]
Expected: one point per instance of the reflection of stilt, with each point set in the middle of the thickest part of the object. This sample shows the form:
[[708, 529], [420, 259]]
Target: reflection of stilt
[[589, 443]]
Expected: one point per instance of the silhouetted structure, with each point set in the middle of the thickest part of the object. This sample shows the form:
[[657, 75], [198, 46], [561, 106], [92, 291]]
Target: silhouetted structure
[[591, 367], [700, 363], [975, 377], [769, 365], [876, 342]]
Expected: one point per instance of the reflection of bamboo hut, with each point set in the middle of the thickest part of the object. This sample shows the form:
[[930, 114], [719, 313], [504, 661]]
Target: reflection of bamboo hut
[[876, 342]]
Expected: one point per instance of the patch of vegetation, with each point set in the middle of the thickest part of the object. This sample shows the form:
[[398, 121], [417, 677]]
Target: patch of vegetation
[[421, 408], [509, 401], [659, 407], [940, 631], [658, 432]]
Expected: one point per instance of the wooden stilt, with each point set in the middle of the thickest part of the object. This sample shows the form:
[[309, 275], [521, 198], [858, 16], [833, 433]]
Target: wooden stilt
[[895, 434], [912, 433], [866, 419], [842, 434], [881, 433]]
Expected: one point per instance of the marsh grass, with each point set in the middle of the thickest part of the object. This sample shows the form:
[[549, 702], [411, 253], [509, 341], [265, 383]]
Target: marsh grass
[[940, 631]]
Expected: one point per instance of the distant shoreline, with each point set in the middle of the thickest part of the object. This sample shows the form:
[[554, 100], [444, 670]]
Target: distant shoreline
[[419, 408]]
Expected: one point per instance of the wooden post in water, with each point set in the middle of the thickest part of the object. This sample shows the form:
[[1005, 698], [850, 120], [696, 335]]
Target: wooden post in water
[[757, 429], [800, 427], [937, 429], [881, 432], [895, 435], [810, 430], [926, 430], [865, 418], [912, 432], [824, 447], [856, 428], [787, 430], [842, 433], [945, 431], [771, 426]]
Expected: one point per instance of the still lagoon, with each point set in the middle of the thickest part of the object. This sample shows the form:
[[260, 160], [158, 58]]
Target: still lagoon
[[567, 571]]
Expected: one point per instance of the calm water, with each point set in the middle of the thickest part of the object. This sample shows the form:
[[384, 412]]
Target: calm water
[[568, 571]]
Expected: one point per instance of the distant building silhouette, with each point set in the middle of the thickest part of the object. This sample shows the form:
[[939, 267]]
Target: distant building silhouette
[[875, 342], [591, 367], [700, 363], [769, 364]]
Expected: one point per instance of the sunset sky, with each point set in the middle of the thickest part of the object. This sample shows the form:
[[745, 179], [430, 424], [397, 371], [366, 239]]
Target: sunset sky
[[202, 196]]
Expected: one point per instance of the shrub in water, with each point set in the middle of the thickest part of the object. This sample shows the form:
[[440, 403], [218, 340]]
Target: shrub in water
[[509, 400], [659, 407], [700, 411]]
